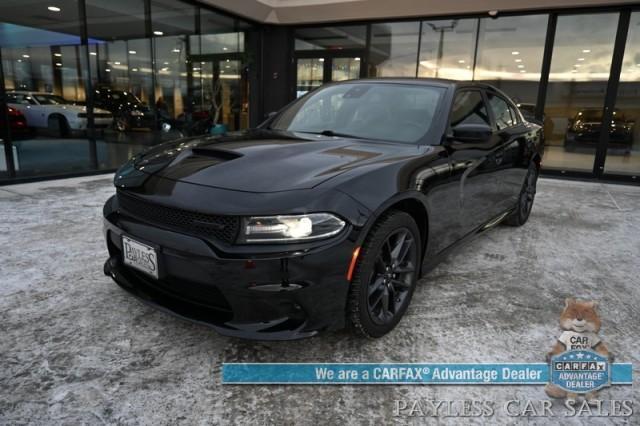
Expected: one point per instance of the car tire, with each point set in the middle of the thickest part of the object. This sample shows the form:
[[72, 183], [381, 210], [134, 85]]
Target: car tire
[[382, 286], [120, 123], [521, 213], [58, 126]]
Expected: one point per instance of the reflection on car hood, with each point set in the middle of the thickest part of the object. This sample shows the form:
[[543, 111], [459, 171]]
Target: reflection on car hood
[[265, 161]]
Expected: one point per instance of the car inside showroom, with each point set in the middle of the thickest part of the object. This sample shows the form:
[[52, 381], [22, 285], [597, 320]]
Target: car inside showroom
[[214, 209]]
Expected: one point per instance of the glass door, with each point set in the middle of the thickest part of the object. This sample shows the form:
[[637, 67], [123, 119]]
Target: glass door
[[314, 72], [309, 75], [219, 90]]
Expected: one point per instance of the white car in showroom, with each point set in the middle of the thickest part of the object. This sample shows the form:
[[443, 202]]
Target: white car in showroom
[[52, 112]]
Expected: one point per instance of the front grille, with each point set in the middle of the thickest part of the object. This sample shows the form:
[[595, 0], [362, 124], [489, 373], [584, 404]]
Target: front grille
[[222, 228]]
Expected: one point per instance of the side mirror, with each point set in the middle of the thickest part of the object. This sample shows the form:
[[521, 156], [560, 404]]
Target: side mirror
[[471, 133], [272, 114]]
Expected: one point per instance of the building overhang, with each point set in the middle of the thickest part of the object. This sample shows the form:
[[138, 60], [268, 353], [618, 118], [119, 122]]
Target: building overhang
[[318, 11]]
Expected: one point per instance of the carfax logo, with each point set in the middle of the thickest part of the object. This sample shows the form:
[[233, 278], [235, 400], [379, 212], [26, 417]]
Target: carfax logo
[[580, 371], [579, 361]]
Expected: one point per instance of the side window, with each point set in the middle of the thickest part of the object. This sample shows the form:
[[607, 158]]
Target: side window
[[469, 108], [501, 112]]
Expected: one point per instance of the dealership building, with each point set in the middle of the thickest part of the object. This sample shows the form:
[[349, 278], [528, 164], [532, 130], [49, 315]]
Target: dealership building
[[86, 84]]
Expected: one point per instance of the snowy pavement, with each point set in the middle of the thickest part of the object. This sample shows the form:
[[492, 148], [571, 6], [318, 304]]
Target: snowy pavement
[[75, 348]]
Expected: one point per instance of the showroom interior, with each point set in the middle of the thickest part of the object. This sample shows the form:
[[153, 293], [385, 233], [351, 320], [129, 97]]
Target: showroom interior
[[86, 84]]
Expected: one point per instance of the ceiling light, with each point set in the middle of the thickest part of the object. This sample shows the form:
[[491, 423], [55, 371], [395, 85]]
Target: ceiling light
[[93, 54], [117, 63], [586, 50], [523, 70], [58, 64], [166, 63], [515, 52], [134, 69], [520, 66], [176, 50], [461, 61], [25, 56], [356, 59], [577, 65], [574, 70], [57, 55], [581, 59], [158, 33], [196, 69], [19, 60], [225, 48], [54, 9], [227, 66], [132, 52], [108, 70], [321, 59], [518, 60], [202, 63]]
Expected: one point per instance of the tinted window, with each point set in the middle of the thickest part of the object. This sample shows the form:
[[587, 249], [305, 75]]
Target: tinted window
[[393, 112], [469, 108], [501, 112]]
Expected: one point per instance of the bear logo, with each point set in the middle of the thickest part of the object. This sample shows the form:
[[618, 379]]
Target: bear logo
[[580, 323]]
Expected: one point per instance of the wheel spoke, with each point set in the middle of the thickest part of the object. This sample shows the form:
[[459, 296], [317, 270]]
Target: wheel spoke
[[385, 302], [405, 251], [397, 249], [398, 284], [408, 267], [375, 285]]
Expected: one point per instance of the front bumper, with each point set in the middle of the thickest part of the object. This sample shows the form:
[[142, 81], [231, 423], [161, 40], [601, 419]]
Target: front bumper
[[266, 297]]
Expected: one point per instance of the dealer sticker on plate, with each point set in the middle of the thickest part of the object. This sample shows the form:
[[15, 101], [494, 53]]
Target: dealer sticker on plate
[[140, 256]]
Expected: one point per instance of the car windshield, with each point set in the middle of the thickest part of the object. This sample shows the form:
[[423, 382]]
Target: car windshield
[[124, 97], [50, 100], [383, 111]]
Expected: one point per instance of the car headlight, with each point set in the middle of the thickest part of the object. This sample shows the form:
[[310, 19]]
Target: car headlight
[[136, 113], [290, 228]]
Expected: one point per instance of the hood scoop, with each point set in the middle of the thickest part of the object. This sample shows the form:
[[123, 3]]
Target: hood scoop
[[215, 154]]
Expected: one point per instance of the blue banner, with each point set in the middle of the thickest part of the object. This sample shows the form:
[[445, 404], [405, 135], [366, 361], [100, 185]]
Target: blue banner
[[410, 373]]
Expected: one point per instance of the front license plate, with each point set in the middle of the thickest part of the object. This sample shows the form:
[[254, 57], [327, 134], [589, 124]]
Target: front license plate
[[140, 256]]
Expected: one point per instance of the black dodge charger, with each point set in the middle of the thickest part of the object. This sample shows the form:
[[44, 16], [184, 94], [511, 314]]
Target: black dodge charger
[[326, 215]]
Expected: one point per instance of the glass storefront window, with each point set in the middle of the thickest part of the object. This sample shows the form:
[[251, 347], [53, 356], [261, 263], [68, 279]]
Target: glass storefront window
[[447, 49], [45, 71], [394, 49], [580, 68], [331, 38], [510, 51], [172, 24], [345, 69], [623, 153], [122, 76], [309, 75]]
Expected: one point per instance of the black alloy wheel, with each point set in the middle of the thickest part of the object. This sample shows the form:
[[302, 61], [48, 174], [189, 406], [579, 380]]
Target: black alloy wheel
[[386, 275], [525, 201], [120, 123]]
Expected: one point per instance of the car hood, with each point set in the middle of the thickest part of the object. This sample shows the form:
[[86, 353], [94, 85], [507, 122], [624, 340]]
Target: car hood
[[266, 161]]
